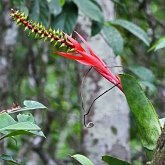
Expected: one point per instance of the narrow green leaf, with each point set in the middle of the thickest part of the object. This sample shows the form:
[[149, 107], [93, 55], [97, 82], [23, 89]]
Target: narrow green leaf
[[146, 119], [66, 20], [134, 29], [91, 9], [113, 38], [8, 158], [82, 159], [114, 161], [159, 44]]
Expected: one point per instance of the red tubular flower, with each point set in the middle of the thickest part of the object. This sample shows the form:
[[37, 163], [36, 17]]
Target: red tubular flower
[[90, 59], [64, 41]]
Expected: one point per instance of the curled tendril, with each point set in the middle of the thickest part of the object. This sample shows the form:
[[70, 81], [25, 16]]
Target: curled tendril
[[91, 124]]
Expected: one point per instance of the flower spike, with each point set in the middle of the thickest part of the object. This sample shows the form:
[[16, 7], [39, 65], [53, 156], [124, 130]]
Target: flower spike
[[40, 31], [68, 47]]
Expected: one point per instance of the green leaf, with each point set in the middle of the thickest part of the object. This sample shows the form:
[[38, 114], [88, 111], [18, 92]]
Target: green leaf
[[21, 126], [82, 159], [33, 104], [25, 126], [159, 44], [96, 28], [91, 9], [114, 161], [66, 21], [149, 87], [24, 9], [39, 11], [113, 38], [7, 158], [30, 105], [35, 10], [134, 29], [143, 73], [25, 117], [54, 6], [29, 118], [15, 133], [62, 2], [22, 132], [146, 119], [6, 120]]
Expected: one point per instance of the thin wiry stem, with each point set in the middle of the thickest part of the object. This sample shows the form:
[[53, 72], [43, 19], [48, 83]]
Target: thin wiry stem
[[117, 66], [91, 124], [82, 82]]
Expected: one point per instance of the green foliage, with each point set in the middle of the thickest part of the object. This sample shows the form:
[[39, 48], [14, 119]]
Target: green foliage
[[7, 158], [82, 159], [160, 44], [96, 28], [31, 105], [134, 29], [55, 7], [91, 9], [114, 161], [38, 12], [143, 73], [25, 124], [113, 38], [145, 116], [146, 78], [66, 20], [9, 127]]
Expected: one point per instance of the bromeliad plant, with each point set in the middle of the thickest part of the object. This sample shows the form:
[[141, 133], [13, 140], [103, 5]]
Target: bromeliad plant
[[148, 124]]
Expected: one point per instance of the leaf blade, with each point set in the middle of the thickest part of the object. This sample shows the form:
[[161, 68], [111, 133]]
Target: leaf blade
[[114, 161], [134, 29], [82, 159], [8, 158], [147, 121], [21, 126], [66, 20], [90, 9], [113, 38], [160, 44]]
